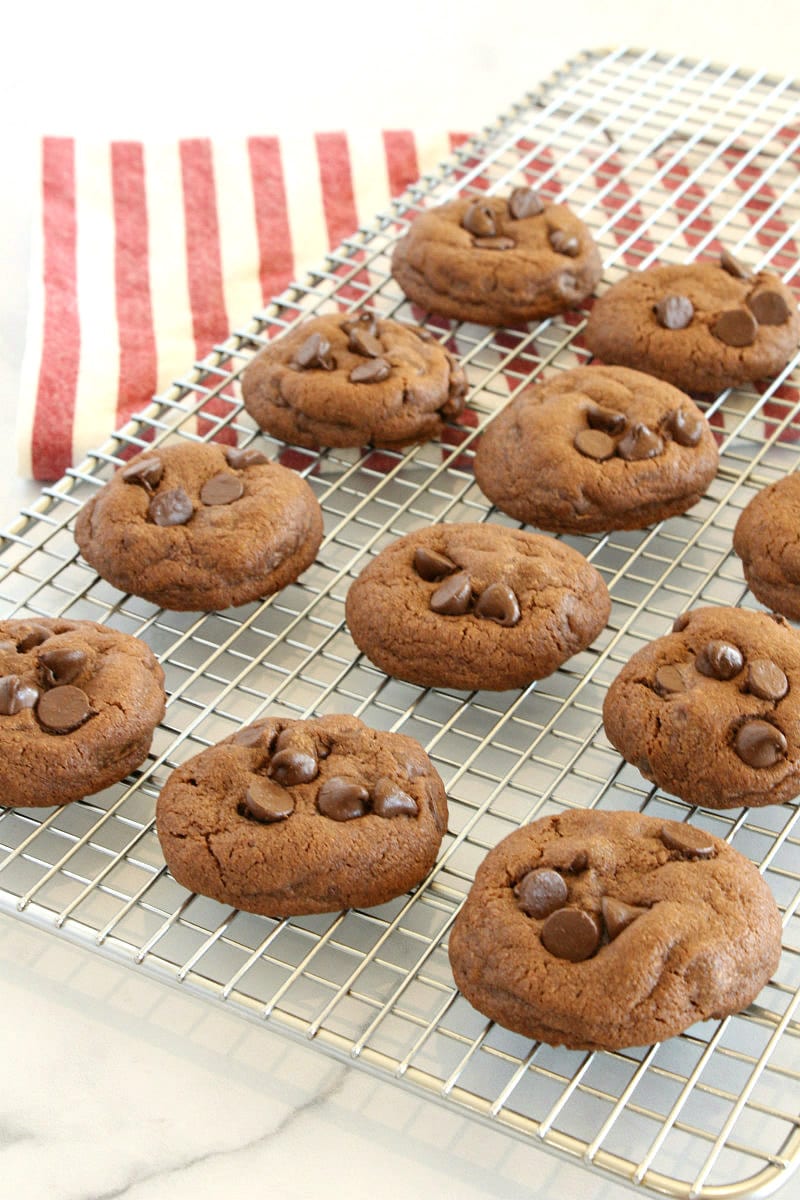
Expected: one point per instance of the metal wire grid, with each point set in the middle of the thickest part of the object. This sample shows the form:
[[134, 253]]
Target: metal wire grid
[[664, 158]]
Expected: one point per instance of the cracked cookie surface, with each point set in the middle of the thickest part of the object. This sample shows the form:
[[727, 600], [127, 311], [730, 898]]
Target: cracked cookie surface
[[767, 540], [602, 930]]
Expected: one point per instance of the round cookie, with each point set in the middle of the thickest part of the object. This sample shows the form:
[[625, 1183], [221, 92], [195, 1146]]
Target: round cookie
[[702, 326], [353, 379], [475, 606], [711, 712], [196, 527], [767, 540], [604, 930], [497, 260], [293, 817], [597, 448], [78, 706]]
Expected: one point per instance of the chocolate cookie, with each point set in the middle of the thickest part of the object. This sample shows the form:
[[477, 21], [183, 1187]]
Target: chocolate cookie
[[292, 817], [767, 540], [597, 448], [78, 706], [711, 712], [198, 527], [602, 930], [353, 379], [497, 260], [475, 606], [703, 326]]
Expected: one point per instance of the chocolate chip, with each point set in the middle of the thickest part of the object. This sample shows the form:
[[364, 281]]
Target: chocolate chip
[[34, 637], [688, 840], [525, 202], [606, 419], [389, 800], [765, 679], [674, 311], [314, 352], [250, 735], [267, 801], [342, 799], [760, 744], [453, 597], [16, 695], [291, 765], [618, 915], [571, 933], [541, 892], [685, 428], [479, 220], [680, 622], [363, 320], [63, 709], [768, 307], [362, 341], [733, 266], [431, 565], [374, 370], [62, 665], [594, 443], [640, 442], [564, 243], [498, 603], [172, 507], [719, 660], [494, 243], [146, 473], [241, 459], [735, 327], [673, 679]]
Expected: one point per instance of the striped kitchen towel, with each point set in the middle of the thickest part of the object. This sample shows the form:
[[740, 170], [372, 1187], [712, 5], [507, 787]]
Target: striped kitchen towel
[[144, 255]]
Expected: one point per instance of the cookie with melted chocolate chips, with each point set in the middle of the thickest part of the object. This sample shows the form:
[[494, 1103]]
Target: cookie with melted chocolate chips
[[292, 817], [710, 712], [604, 930]]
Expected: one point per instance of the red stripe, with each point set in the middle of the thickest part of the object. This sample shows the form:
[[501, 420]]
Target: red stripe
[[457, 139], [276, 259], [690, 202], [750, 175], [51, 448], [138, 367], [616, 198], [338, 198], [402, 166]]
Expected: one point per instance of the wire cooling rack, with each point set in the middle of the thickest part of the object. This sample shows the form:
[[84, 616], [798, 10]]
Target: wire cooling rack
[[666, 159]]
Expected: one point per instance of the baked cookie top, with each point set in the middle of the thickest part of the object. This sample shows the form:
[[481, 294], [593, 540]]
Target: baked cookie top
[[711, 711], [701, 326], [601, 930], [497, 260], [351, 379], [197, 526], [78, 706], [597, 448], [475, 606], [767, 539], [291, 817]]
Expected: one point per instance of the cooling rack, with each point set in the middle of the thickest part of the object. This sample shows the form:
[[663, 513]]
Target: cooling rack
[[666, 159]]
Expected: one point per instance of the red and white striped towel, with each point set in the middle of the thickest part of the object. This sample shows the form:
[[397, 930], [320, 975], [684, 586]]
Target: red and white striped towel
[[144, 255]]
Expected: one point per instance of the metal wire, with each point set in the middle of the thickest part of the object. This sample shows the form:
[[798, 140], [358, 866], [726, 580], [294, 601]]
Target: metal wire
[[665, 159]]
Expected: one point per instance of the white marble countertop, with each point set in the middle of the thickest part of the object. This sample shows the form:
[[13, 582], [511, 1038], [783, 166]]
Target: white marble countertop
[[114, 1084]]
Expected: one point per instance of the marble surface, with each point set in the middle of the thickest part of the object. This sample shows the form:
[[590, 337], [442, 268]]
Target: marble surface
[[115, 1085]]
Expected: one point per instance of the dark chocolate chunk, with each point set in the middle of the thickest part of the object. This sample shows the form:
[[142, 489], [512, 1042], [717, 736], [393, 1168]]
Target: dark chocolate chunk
[[525, 202], [594, 443], [640, 442], [479, 220], [172, 507], [374, 370], [606, 419], [735, 327], [541, 892], [241, 459], [16, 695], [291, 765], [765, 679], [760, 744], [221, 489], [34, 637], [674, 312], [363, 320], [768, 307], [63, 709], [688, 840], [733, 266], [389, 800], [672, 679], [62, 665], [498, 603], [146, 473], [680, 622], [267, 801], [250, 735], [342, 799], [685, 428], [719, 660], [454, 596], [494, 243], [618, 915], [363, 341], [315, 352], [431, 565], [571, 933], [564, 243]]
